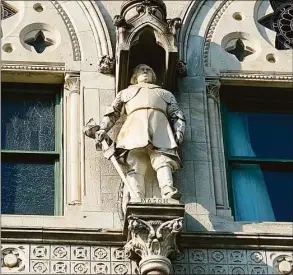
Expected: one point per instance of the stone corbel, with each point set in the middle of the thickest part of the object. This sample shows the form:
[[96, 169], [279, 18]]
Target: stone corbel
[[106, 65], [217, 149], [152, 237], [72, 85]]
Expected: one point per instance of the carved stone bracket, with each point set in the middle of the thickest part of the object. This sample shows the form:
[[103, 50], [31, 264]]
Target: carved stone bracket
[[152, 237], [106, 65], [181, 68]]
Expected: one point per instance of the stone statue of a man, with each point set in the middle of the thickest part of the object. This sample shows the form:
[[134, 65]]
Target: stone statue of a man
[[152, 131]]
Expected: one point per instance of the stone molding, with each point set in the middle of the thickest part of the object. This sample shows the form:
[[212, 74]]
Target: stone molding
[[212, 27], [30, 66], [98, 26], [71, 30], [251, 75], [278, 242]]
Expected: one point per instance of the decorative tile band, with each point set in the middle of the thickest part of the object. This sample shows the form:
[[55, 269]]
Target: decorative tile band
[[64, 259]]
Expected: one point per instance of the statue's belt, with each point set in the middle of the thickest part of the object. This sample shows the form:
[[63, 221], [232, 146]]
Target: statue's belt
[[148, 108]]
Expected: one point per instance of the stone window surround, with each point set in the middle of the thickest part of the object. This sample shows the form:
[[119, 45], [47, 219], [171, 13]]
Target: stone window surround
[[54, 73], [213, 84]]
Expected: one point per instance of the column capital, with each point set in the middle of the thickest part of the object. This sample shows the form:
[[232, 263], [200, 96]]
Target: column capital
[[212, 88], [152, 238], [72, 82]]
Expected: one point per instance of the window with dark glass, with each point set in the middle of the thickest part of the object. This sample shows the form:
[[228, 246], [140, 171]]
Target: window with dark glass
[[31, 149], [258, 133]]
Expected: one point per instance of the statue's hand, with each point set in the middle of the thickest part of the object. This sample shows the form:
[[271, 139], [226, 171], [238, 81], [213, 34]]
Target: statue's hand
[[179, 137], [100, 135]]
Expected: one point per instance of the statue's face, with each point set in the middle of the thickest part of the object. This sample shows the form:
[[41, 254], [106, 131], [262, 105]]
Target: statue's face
[[144, 75]]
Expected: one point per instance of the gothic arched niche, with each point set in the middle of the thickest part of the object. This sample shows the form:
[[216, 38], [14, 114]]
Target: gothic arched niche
[[153, 54]]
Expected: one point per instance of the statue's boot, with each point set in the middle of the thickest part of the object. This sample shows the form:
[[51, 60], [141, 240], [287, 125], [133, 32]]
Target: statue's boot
[[136, 182], [164, 175]]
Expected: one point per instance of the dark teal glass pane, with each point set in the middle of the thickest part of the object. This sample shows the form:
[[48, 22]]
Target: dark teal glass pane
[[262, 195], [261, 135], [28, 122], [27, 188]]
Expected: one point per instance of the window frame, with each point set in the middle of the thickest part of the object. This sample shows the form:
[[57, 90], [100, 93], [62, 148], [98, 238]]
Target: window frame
[[285, 164], [57, 154]]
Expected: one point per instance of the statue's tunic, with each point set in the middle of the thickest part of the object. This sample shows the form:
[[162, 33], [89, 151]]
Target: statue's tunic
[[150, 111], [146, 121]]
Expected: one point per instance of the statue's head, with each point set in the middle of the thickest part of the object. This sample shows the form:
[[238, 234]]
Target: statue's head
[[143, 74]]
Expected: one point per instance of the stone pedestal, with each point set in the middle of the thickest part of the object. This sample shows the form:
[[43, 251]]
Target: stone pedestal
[[151, 231]]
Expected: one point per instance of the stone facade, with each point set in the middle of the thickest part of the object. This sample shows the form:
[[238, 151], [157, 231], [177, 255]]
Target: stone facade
[[81, 42]]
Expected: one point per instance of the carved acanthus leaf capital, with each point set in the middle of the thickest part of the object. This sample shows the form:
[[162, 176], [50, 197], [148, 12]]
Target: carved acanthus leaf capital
[[153, 237], [72, 83], [213, 88]]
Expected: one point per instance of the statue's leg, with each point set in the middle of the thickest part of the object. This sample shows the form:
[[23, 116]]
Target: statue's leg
[[164, 166], [137, 162]]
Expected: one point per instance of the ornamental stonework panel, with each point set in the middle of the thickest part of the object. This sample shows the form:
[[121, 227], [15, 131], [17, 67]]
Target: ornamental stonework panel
[[79, 259]]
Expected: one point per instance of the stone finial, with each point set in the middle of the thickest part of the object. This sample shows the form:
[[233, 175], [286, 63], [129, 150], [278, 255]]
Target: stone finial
[[72, 82], [106, 65]]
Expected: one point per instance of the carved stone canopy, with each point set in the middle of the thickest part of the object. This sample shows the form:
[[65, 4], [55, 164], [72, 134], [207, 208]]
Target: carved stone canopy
[[141, 23], [140, 6]]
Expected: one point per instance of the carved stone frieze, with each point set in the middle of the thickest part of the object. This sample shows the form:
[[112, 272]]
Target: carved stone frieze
[[45, 258]]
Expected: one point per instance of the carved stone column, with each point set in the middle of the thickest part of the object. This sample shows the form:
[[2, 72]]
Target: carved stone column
[[152, 231], [215, 134], [72, 84]]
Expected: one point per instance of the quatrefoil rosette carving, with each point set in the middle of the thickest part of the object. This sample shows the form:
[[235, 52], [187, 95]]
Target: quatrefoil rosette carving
[[40, 38], [13, 259]]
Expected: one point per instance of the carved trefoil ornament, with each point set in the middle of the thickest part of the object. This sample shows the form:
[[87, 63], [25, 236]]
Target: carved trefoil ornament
[[146, 19]]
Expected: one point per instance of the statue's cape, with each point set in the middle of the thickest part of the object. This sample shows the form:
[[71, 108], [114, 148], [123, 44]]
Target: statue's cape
[[132, 91]]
